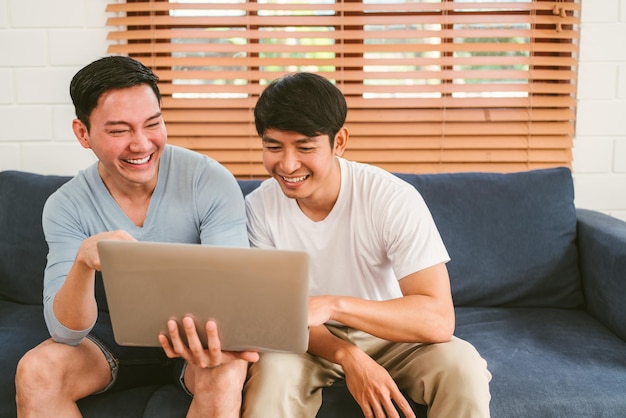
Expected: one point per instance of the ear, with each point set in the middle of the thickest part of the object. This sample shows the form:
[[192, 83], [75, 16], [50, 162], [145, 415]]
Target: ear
[[341, 140], [81, 133]]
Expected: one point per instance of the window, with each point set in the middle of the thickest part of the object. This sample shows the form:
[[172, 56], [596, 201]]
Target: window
[[431, 85]]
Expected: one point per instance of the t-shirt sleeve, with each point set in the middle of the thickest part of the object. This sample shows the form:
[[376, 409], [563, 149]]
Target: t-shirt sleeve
[[258, 233], [221, 207], [410, 235], [64, 236]]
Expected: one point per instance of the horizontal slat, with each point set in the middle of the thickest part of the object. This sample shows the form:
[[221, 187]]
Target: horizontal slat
[[328, 47], [398, 129], [408, 156], [485, 6], [360, 103], [355, 33], [315, 18], [245, 115], [387, 143]]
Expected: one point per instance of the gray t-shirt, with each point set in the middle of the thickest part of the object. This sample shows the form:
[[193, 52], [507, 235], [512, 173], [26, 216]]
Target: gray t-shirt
[[196, 200]]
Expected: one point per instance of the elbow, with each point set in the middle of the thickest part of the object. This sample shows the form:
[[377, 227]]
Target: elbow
[[440, 332]]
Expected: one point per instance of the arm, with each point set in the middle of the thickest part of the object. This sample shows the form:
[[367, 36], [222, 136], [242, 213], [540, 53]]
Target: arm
[[74, 304], [601, 245], [424, 314], [69, 302]]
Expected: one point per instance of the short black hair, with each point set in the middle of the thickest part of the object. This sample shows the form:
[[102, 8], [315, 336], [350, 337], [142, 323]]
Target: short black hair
[[303, 102], [103, 75]]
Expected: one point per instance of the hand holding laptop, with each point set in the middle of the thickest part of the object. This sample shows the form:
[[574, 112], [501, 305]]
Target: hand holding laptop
[[194, 352]]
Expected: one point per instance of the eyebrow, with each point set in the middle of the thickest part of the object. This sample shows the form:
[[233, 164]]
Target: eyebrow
[[121, 122], [305, 140]]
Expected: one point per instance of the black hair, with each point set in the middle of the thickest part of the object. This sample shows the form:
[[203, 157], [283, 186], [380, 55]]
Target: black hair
[[103, 75], [303, 102]]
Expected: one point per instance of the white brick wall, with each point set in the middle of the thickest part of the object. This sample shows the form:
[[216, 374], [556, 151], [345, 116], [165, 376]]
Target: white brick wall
[[600, 143], [41, 51]]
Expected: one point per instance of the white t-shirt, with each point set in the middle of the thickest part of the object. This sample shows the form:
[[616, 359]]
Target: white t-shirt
[[378, 232]]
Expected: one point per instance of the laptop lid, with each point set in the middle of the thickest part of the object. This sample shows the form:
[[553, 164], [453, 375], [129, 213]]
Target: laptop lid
[[258, 297]]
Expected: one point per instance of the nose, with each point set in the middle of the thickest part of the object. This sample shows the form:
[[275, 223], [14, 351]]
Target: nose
[[140, 141], [289, 162]]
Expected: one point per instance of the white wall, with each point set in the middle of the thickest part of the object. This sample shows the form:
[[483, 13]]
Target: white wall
[[600, 143], [40, 52]]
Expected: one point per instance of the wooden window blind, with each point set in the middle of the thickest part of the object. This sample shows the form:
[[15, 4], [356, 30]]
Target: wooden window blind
[[431, 85]]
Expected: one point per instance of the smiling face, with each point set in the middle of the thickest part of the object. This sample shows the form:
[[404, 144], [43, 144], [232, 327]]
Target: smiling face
[[127, 134], [305, 168]]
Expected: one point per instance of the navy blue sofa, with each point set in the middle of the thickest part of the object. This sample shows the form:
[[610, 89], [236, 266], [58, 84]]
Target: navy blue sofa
[[539, 289]]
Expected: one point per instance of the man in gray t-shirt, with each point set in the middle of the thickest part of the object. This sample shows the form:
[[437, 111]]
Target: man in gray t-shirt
[[140, 189]]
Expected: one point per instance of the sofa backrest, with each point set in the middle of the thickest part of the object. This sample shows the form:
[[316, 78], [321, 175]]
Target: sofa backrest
[[511, 237], [23, 248]]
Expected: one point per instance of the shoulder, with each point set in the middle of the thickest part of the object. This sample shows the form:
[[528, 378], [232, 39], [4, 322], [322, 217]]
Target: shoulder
[[266, 196], [79, 187], [375, 181], [185, 163], [268, 189], [74, 201]]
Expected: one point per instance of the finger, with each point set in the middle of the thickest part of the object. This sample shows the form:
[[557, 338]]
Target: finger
[[216, 356], [249, 356], [379, 412], [389, 409], [176, 341], [214, 343], [193, 342], [167, 347], [404, 406]]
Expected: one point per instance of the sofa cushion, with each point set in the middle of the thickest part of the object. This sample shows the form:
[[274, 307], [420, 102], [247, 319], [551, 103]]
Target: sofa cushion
[[23, 247], [548, 362], [511, 237]]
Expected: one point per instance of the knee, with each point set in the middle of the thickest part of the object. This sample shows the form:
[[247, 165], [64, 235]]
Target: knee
[[460, 364], [278, 373], [37, 370], [30, 378], [29, 368], [458, 361], [278, 366]]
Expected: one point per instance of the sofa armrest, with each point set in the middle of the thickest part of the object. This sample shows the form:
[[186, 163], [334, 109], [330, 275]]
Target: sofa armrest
[[601, 241]]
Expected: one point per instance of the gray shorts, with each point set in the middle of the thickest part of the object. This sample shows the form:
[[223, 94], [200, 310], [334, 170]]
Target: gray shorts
[[131, 366]]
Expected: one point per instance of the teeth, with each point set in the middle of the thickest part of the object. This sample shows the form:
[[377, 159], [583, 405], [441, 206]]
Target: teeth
[[294, 179], [140, 161]]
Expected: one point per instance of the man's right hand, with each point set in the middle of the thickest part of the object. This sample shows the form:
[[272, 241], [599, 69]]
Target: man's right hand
[[194, 352], [88, 251], [372, 387], [75, 304]]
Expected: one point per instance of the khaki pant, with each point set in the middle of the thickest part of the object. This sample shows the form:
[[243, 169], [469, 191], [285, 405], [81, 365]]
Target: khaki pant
[[450, 378]]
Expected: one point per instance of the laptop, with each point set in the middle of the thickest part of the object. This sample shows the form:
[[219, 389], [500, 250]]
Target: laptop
[[258, 297]]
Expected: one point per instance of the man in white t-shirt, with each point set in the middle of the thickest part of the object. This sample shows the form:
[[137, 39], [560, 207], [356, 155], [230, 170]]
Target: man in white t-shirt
[[381, 313]]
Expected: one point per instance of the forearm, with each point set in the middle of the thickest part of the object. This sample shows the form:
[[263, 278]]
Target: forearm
[[324, 344], [412, 318], [74, 305]]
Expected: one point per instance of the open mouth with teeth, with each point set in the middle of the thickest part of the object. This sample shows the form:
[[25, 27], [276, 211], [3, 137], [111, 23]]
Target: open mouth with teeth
[[139, 161], [294, 179]]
